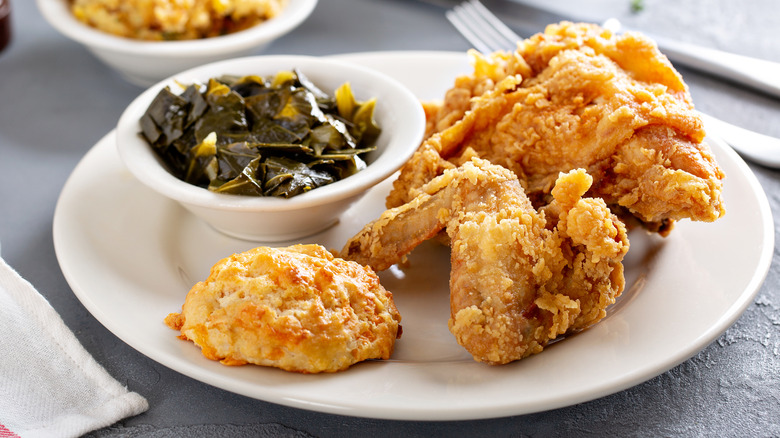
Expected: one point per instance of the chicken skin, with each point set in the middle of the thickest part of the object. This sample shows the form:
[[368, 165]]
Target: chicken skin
[[296, 308], [520, 277], [578, 96]]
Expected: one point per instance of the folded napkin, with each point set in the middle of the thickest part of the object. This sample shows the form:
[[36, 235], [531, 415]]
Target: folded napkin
[[49, 384]]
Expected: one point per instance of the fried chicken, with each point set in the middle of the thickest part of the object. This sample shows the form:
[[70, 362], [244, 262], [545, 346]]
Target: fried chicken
[[578, 96], [296, 308], [520, 277]]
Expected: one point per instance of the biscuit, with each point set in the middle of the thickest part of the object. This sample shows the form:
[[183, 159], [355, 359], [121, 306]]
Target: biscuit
[[297, 308]]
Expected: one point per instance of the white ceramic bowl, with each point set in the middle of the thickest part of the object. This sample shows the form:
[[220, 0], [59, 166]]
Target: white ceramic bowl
[[146, 62], [398, 113]]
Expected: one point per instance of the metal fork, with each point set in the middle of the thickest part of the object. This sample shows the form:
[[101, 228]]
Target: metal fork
[[481, 28], [487, 33]]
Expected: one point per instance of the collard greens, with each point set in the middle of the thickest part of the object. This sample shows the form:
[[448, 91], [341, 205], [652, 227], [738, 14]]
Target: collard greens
[[260, 137]]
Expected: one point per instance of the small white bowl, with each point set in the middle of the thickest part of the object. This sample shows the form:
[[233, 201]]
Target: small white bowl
[[146, 62], [398, 113]]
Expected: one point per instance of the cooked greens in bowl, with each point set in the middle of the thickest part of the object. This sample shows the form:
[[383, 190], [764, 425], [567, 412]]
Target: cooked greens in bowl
[[373, 99], [248, 135]]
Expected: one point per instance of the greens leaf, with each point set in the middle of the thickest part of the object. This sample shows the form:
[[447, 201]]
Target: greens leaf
[[251, 136]]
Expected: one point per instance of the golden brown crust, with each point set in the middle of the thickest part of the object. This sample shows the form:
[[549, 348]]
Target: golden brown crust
[[519, 277], [577, 96], [296, 308]]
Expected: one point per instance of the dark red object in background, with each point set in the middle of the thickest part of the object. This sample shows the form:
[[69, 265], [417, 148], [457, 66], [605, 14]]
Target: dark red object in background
[[5, 24]]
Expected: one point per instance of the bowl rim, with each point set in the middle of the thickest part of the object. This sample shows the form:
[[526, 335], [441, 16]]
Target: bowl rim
[[144, 164], [57, 13]]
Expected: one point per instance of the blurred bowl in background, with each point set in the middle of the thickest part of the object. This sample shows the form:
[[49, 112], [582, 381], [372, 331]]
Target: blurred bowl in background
[[147, 62]]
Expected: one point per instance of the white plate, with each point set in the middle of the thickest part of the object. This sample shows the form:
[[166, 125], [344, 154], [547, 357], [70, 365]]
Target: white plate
[[130, 256]]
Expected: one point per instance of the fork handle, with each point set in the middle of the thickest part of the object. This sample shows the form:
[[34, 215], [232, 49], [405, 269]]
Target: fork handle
[[756, 73]]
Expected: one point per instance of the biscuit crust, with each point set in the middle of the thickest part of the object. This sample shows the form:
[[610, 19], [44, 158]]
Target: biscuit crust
[[296, 308]]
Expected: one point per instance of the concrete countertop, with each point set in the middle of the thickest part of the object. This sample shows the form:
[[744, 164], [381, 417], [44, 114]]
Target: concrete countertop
[[57, 101]]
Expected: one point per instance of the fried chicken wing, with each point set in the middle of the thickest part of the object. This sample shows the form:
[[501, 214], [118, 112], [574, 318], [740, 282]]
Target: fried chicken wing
[[520, 277], [296, 308], [578, 96]]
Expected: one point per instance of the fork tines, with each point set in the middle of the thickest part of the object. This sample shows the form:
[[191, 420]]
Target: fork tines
[[483, 29]]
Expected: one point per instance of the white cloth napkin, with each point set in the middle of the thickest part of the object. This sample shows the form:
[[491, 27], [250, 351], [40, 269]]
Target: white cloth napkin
[[50, 386]]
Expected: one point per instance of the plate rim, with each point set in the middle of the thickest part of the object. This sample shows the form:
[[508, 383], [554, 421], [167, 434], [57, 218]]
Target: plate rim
[[725, 321]]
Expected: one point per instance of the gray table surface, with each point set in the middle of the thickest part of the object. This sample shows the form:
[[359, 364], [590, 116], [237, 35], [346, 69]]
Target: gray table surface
[[57, 101]]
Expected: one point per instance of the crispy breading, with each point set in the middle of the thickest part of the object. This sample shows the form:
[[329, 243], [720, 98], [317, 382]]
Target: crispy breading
[[296, 308], [519, 278], [578, 96]]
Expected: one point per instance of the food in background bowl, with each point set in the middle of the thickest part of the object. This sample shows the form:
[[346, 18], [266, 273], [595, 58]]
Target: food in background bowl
[[145, 62], [160, 20], [274, 136]]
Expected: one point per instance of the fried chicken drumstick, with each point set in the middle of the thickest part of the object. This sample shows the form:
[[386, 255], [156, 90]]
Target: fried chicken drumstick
[[520, 277], [578, 96]]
